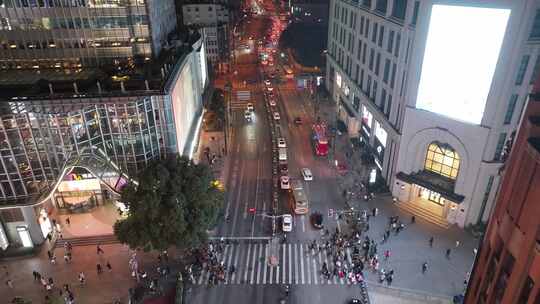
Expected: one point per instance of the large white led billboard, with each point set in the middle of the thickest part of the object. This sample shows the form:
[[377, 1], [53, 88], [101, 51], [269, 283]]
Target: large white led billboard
[[462, 49]]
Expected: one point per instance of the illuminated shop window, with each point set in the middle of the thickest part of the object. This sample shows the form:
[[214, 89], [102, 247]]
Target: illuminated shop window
[[443, 160]]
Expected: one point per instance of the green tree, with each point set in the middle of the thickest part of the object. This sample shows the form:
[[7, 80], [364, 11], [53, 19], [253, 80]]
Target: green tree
[[217, 104], [175, 203]]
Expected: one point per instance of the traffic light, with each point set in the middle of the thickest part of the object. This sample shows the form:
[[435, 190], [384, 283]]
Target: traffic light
[[330, 212]]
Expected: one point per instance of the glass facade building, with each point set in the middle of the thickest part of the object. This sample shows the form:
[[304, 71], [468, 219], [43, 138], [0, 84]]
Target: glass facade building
[[74, 33]]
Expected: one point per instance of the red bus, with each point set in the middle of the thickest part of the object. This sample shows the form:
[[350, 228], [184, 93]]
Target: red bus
[[320, 141]]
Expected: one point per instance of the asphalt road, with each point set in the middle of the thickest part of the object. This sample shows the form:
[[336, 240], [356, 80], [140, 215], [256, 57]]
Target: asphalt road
[[249, 185]]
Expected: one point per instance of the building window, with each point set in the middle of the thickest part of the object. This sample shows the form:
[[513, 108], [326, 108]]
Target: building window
[[386, 72], [381, 36], [377, 63], [500, 146], [366, 32], [390, 45], [415, 12], [399, 9], [443, 160], [381, 6], [486, 197], [510, 109], [361, 24], [398, 40], [535, 31], [374, 33], [393, 79], [388, 106], [534, 74], [522, 69], [383, 99], [371, 58]]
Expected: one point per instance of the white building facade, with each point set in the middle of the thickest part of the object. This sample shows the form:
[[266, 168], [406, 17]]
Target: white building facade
[[443, 151], [213, 19]]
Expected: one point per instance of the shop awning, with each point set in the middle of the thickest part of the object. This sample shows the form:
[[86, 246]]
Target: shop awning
[[434, 182]]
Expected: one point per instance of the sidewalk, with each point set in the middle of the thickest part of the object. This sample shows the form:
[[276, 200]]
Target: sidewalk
[[410, 248], [103, 288]]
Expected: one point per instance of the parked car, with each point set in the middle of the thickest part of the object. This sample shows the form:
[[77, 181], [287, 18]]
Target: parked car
[[306, 174]]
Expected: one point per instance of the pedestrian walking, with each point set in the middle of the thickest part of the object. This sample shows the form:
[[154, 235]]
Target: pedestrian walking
[[375, 211], [68, 221], [34, 273], [82, 278], [413, 219], [109, 267], [99, 268], [9, 283], [49, 254], [389, 279], [457, 244], [431, 242], [448, 253], [386, 255], [424, 268], [99, 250]]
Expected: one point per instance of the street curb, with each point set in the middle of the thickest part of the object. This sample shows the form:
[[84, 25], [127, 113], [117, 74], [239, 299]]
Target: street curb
[[408, 293]]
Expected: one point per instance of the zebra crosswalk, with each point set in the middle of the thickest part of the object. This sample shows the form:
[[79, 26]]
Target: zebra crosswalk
[[296, 265]]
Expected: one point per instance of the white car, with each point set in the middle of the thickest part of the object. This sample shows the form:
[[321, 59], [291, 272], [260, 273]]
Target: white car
[[272, 102], [276, 116], [267, 82], [281, 143], [285, 184], [287, 223], [250, 107], [247, 115], [306, 173]]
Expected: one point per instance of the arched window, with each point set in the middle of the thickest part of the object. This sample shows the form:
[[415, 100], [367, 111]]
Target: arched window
[[443, 160]]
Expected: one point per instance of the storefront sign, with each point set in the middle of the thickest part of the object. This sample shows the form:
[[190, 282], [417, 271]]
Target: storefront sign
[[380, 133], [367, 119]]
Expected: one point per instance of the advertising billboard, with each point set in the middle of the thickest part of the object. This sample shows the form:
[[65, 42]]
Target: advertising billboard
[[462, 49]]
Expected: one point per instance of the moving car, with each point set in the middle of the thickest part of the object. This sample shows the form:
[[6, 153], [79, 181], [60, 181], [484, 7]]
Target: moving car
[[267, 82], [276, 116], [250, 107], [316, 219], [272, 102], [281, 143], [298, 120], [286, 223], [247, 115], [270, 89], [306, 174], [285, 185]]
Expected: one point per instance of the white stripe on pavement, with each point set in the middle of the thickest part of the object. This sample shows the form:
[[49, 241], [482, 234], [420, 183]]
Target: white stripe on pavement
[[302, 262], [247, 264], [255, 247], [290, 263]]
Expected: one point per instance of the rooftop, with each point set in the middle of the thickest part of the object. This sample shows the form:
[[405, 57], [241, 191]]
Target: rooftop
[[139, 77]]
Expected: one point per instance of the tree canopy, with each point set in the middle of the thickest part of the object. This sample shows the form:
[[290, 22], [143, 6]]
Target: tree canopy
[[175, 203]]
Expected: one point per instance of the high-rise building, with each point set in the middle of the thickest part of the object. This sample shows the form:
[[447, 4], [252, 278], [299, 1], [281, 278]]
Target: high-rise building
[[507, 269], [74, 33], [434, 99], [212, 18]]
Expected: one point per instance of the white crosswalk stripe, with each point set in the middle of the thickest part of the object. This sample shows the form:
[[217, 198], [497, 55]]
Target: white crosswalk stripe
[[297, 265]]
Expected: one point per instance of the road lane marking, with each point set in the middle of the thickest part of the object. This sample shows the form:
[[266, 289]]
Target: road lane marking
[[246, 270], [265, 265], [315, 272], [284, 251], [303, 219], [302, 262], [296, 270], [272, 274], [253, 260], [256, 195], [308, 267], [229, 259], [238, 193], [259, 263], [236, 252], [290, 263]]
